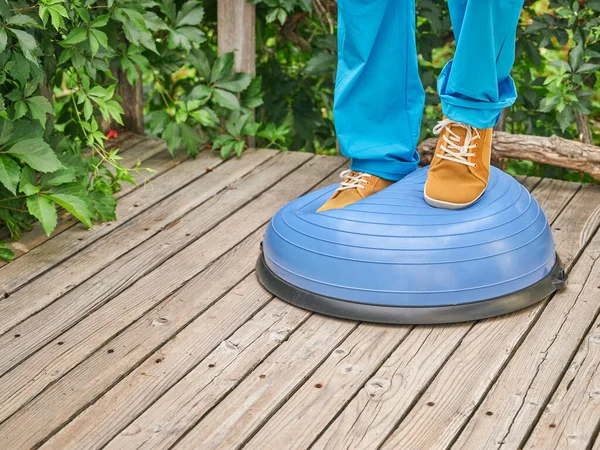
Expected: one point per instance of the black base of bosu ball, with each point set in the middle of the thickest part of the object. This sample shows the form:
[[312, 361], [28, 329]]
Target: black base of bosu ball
[[391, 258]]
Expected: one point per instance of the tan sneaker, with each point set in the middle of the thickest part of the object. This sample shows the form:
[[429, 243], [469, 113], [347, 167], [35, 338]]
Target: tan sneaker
[[460, 168], [356, 186]]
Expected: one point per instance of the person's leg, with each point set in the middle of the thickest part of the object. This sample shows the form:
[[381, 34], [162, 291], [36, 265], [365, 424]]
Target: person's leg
[[476, 85], [378, 94], [474, 88]]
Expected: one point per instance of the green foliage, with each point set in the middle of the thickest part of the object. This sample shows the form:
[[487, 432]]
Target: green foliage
[[556, 69], [58, 93]]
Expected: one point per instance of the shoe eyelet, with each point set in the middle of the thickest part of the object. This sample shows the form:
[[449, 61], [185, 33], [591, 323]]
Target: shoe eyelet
[[475, 165]]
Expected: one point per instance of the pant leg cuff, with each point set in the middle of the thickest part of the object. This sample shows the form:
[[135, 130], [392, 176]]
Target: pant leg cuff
[[381, 169]]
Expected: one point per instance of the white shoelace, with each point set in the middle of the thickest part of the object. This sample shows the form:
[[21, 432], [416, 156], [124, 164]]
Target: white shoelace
[[462, 151], [353, 181]]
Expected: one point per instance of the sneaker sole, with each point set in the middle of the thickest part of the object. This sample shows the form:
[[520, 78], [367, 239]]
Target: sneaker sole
[[448, 205]]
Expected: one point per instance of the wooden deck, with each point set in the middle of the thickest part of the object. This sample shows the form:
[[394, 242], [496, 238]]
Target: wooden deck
[[153, 332]]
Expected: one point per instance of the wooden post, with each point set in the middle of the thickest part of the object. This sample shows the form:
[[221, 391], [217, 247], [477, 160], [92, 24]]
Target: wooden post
[[133, 102], [236, 32]]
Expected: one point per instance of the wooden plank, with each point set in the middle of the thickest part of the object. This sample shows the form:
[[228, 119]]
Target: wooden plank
[[236, 24], [554, 195], [88, 380], [101, 253], [596, 445], [36, 236], [517, 398], [268, 386], [366, 421], [529, 182], [204, 340], [118, 277], [340, 376], [104, 419], [65, 244], [455, 393], [572, 418]]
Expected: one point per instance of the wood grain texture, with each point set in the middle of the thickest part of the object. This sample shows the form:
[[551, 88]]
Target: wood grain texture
[[232, 421], [236, 24], [516, 399], [457, 390], [387, 396], [334, 383], [117, 278], [178, 410], [572, 418], [17, 273], [546, 150], [111, 418], [173, 203], [92, 332]]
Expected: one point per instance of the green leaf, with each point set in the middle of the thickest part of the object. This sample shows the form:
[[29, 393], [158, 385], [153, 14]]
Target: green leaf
[[37, 154], [27, 43], [252, 97], [9, 173], [235, 83], [576, 56], [6, 254], [199, 60], [105, 205], [192, 140], [200, 93], [172, 137], [39, 107], [76, 36], [100, 21], [226, 99], [75, 199], [222, 67], [191, 13], [27, 182], [3, 39], [58, 177], [20, 110], [100, 37], [565, 118], [43, 210]]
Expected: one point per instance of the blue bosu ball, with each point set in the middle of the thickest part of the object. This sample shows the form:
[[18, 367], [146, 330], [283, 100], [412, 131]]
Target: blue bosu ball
[[392, 258]]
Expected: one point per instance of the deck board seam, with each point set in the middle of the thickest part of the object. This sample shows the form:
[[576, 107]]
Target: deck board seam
[[158, 231], [88, 403], [430, 381], [113, 294]]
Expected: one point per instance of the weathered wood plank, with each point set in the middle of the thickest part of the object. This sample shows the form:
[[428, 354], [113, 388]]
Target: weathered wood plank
[[529, 182], [268, 386], [92, 332], [123, 273], [514, 402], [65, 244], [335, 381], [75, 270], [103, 419], [366, 421], [36, 236], [455, 393], [204, 341], [572, 417]]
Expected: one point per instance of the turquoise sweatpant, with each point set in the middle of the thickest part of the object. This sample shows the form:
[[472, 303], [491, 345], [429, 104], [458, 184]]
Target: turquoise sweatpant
[[378, 94]]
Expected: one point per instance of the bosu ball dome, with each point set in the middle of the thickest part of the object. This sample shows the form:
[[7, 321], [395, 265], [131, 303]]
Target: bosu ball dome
[[392, 258]]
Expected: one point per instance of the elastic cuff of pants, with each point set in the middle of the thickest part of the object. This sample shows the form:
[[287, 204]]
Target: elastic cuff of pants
[[375, 167]]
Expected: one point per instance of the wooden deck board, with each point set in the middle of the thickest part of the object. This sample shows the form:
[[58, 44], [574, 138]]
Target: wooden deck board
[[171, 342], [159, 233]]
